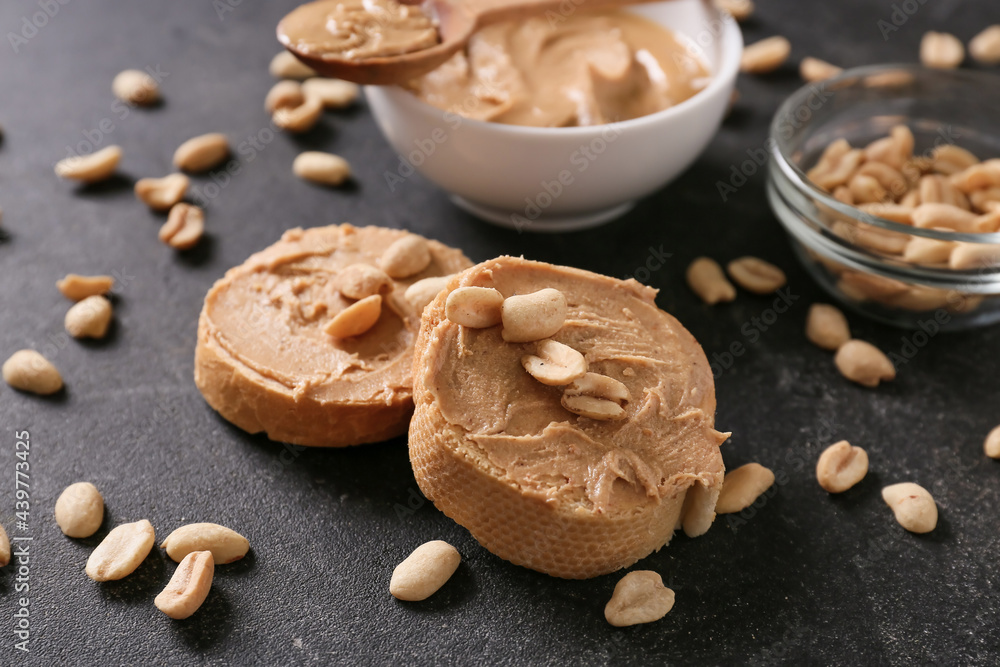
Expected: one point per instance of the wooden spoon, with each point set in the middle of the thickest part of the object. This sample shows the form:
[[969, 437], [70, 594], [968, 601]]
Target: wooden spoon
[[457, 20]]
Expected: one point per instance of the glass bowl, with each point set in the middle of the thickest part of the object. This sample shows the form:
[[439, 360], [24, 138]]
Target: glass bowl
[[869, 262]]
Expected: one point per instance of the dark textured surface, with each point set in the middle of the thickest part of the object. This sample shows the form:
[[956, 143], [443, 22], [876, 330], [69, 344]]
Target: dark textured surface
[[804, 579]]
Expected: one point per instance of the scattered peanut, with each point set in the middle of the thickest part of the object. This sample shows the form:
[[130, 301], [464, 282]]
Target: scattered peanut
[[815, 70], [706, 279], [554, 364], [77, 287], [358, 281], [742, 487], [474, 307], [765, 56], [160, 194], [863, 363], [357, 318], [596, 396], [286, 66], [422, 292], [121, 552], [89, 318], [4, 547], [756, 275], [184, 226], [528, 317], [225, 544], [284, 94], [29, 371], [985, 47], [324, 168], [188, 587], [913, 506], [841, 466], [91, 168], [424, 571], [738, 9], [826, 326], [941, 50], [80, 510], [202, 153], [406, 257], [332, 93], [300, 118], [639, 597], [991, 446], [136, 87]]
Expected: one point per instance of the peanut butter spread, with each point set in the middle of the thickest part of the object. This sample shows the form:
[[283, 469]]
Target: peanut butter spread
[[587, 69], [265, 361], [516, 428], [359, 29]]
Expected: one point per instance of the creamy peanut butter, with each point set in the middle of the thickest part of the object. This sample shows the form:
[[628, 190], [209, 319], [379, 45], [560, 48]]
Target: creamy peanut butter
[[588, 69], [359, 29]]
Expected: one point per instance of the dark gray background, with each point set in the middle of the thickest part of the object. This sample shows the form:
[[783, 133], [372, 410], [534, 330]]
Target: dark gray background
[[806, 579]]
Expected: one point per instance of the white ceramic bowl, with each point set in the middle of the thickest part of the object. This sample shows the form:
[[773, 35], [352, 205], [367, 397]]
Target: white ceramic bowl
[[558, 179]]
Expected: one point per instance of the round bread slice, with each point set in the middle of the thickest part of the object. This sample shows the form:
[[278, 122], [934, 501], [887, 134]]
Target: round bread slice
[[540, 486], [265, 361]]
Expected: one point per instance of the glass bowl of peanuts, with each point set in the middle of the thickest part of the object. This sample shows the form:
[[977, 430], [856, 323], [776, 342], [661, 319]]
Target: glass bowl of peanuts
[[887, 180]]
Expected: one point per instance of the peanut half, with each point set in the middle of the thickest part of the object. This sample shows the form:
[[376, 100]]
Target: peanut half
[[29, 371], [188, 587], [841, 466], [863, 363], [765, 56], [184, 226], [226, 545], [639, 597], [301, 117], [91, 168], [528, 317], [160, 194], [357, 318], [974, 256], [77, 287], [554, 364], [985, 47], [136, 87], [202, 153], [826, 326], [424, 571], [359, 281], [706, 279], [596, 396], [913, 506], [698, 512], [323, 168], [422, 292], [121, 552], [89, 318], [474, 307], [284, 94], [286, 66], [991, 446], [406, 256], [815, 70], [950, 159], [332, 93], [941, 50], [79, 510], [740, 10], [741, 487], [756, 275]]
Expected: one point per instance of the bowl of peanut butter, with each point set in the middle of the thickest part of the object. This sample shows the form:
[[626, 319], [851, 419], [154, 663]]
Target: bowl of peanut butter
[[563, 121]]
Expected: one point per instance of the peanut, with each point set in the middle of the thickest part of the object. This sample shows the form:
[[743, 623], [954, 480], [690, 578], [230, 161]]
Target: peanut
[[936, 189], [894, 150], [866, 189], [474, 307], [202, 153], [765, 56], [528, 317], [4, 547], [842, 193], [136, 87], [300, 118], [424, 571], [826, 326], [29, 371], [741, 487], [406, 257], [985, 200], [286, 93], [77, 287], [357, 318], [756, 275], [988, 223], [922, 250], [738, 9], [871, 237], [422, 292], [950, 159], [596, 396], [944, 215], [698, 512], [160, 194], [892, 181], [836, 165], [332, 93], [121, 552], [892, 212], [705, 278], [80, 510], [974, 256], [815, 70], [554, 364], [841, 466], [358, 281], [941, 50], [639, 597], [91, 168], [863, 363], [225, 544], [913, 506], [89, 318], [286, 66], [991, 446], [978, 176], [323, 168], [188, 587], [985, 47], [184, 226]]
